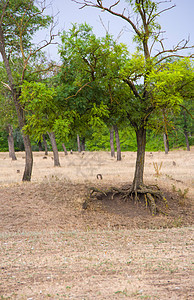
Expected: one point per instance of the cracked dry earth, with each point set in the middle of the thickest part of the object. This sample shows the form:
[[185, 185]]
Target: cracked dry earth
[[53, 249]]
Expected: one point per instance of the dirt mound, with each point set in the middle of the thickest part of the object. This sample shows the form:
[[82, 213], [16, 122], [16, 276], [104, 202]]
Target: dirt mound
[[58, 205]]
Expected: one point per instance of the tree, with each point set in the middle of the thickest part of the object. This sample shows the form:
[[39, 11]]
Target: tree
[[43, 114], [117, 142], [55, 150], [92, 62], [19, 21], [11, 142], [139, 75], [112, 142]]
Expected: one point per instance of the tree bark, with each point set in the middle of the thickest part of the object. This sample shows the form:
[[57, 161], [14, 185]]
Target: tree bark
[[112, 142], [165, 143], [78, 143], [64, 148], [187, 140], [140, 160], [55, 150], [117, 142], [29, 158], [45, 145], [27, 143], [11, 142], [186, 132]]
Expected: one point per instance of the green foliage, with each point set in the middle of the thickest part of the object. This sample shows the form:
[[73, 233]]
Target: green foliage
[[3, 142], [90, 64], [37, 101], [97, 114], [7, 110], [167, 84], [22, 19], [99, 140]]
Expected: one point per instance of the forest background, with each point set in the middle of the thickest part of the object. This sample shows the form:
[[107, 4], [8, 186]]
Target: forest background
[[59, 100]]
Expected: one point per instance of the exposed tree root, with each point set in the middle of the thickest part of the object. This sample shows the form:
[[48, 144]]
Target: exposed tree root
[[152, 196]]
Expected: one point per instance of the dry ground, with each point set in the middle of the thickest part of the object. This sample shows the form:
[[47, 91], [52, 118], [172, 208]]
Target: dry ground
[[53, 249]]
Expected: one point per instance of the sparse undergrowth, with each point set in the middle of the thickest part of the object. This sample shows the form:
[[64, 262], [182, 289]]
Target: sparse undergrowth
[[157, 168], [182, 194]]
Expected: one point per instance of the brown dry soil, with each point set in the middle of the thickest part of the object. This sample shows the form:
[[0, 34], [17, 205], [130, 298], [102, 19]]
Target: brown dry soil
[[51, 248]]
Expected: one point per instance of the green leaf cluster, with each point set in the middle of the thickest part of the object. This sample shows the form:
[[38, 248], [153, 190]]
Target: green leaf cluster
[[22, 19]]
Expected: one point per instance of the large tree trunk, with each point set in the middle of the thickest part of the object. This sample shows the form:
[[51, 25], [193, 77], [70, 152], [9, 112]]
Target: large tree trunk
[[78, 143], [45, 145], [117, 142], [139, 169], [112, 142], [64, 148], [165, 137], [11, 142], [55, 150]]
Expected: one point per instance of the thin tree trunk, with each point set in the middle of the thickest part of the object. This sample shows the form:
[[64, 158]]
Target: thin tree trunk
[[165, 143], [112, 142], [29, 159], [78, 143], [11, 142], [45, 145], [64, 148], [39, 146], [27, 143], [187, 140], [55, 150], [140, 160], [117, 142], [20, 112], [186, 132], [83, 144]]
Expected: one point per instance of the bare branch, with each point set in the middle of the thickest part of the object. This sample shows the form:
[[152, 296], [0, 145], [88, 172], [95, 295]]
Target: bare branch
[[186, 110], [179, 47], [151, 12], [120, 34], [160, 12], [133, 88], [81, 88], [155, 40], [50, 67], [114, 4], [106, 29], [3, 11], [6, 85], [109, 9], [32, 53]]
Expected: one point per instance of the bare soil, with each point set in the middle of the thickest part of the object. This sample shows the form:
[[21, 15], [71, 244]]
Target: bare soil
[[51, 248]]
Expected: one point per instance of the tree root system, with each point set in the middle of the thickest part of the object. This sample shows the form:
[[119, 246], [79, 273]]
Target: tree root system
[[152, 195]]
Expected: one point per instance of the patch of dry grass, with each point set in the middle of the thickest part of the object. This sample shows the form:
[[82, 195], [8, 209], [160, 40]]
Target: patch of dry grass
[[50, 248], [137, 264]]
